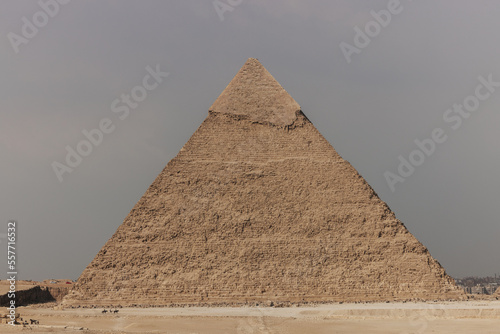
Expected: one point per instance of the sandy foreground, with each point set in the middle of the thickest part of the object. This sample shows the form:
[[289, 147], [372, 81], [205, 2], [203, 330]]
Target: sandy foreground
[[449, 317]]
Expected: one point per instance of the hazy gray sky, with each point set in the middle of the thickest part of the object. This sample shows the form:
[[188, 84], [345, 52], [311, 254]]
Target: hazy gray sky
[[86, 54]]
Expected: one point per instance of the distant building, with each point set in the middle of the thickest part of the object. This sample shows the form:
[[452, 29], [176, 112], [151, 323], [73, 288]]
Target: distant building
[[479, 285], [477, 290], [491, 288]]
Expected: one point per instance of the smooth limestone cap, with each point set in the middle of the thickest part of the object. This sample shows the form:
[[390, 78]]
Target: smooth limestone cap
[[255, 94]]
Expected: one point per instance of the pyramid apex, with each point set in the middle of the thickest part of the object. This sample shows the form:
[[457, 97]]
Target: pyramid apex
[[255, 94]]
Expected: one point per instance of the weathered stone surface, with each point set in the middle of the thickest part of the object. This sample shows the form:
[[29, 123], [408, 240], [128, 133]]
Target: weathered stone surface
[[33, 292], [36, 295], [258, 207]]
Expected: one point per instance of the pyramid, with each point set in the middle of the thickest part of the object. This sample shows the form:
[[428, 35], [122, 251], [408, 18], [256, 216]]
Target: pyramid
[[258, 206]]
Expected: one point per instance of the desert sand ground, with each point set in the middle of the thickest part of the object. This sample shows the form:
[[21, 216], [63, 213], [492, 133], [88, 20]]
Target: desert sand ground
[[448, 317]]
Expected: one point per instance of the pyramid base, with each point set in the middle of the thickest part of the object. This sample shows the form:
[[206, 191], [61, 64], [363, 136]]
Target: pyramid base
[[269, 300]]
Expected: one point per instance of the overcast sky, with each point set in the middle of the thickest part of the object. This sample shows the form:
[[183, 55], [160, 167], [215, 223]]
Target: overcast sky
[[393, 88]]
